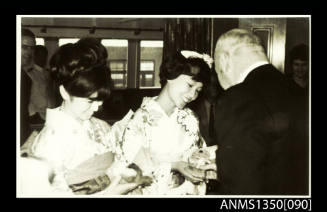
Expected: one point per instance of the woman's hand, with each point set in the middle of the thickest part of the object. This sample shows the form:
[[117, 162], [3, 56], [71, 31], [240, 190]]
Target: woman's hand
[[210, 166], [119, 189], [190, 173], [129, 178]]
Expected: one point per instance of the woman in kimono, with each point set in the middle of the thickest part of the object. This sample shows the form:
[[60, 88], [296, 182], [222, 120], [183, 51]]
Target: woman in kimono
[[71, 135], [163, 134]]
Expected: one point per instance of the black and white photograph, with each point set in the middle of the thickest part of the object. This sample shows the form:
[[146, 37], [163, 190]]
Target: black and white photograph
[[163, 106]]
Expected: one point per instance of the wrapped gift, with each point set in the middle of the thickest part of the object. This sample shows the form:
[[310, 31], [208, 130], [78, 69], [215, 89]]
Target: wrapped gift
[[205, 158], [91, 168], [90, 176]]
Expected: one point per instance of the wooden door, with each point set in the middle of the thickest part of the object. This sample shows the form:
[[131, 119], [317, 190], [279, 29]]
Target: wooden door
[[273, 33]]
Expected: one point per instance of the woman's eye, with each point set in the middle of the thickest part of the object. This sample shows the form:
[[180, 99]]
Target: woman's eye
[[189, 85]]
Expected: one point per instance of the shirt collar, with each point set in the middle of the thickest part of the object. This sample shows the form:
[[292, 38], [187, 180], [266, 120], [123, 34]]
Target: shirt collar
[[244, 74]]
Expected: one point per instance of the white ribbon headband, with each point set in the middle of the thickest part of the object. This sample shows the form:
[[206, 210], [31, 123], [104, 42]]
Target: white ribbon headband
[[194, 54]]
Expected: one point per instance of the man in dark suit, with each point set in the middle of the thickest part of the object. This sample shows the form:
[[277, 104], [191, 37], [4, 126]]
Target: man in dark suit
[[27, 48], [262, 140]]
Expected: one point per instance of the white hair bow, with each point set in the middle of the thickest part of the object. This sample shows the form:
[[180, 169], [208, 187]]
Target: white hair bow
[[194, 54]]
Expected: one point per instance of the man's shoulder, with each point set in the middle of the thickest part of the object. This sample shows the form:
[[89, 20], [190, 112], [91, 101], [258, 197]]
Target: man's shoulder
[[236, 92]]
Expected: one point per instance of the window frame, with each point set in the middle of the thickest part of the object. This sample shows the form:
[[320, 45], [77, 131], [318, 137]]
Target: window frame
[[144, 73]]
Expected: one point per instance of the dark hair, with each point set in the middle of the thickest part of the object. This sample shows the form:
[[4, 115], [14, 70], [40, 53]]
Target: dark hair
[[27, 32], [300, 51], [96, 45], [176, 64], [101, 51], [40, 55], [78, 68]]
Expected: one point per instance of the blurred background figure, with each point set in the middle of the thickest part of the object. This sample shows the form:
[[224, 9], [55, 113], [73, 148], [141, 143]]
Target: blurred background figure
[[42, 89], [27, 48], [299, 72], [37, 177], [40, 56]]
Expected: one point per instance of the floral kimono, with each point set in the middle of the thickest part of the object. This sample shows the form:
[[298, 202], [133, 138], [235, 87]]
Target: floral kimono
[[153, 141], [66, 143]]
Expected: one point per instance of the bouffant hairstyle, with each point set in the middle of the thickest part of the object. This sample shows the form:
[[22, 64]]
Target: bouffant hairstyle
[[96, 45], [300, 51], [176, 64], [81, 70]]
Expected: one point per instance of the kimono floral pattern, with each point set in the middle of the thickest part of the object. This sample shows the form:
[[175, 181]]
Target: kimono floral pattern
[[138, 140]]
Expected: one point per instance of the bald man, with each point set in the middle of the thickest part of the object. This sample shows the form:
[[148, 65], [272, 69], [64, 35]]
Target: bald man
[[263, 147]]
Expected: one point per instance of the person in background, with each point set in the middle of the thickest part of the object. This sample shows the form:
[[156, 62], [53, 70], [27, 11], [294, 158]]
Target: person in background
[[257, 123], [42, 96], [299, 60], [40, 56], [27, 48], [299, 87], [163, 134], [36, 178]]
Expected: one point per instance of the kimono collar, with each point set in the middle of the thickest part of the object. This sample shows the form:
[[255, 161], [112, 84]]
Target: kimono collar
[[59, 119], [150, 104]]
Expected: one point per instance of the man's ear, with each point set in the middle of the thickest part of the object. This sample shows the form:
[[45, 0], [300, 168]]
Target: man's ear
[[224, 62], [64, 94]]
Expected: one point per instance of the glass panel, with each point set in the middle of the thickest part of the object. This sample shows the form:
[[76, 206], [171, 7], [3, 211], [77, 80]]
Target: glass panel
[[117, 76], [148, 80], [63, 41], [151, 56], [117, 60], [147, 65], [117, 65], [39, 41]]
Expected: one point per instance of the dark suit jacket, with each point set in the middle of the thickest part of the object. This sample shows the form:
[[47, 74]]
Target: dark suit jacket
[[262, 137], [25, 93]]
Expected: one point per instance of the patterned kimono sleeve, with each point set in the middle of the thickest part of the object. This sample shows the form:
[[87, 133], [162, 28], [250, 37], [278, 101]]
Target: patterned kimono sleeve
[[194, 133], [134, 137], [115, 135], [48, 145]]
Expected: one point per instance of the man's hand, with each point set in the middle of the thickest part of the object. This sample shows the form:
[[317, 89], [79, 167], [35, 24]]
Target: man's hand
[[190, 173]]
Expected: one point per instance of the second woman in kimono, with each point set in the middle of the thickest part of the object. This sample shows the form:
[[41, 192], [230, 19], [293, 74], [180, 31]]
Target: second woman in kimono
[[163, 134]]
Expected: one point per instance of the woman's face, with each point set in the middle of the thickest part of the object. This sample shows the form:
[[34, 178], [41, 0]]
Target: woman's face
[[82, 108], [183, 90]]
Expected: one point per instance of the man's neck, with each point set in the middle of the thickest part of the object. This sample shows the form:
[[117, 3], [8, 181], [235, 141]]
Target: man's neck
[[254, 65]]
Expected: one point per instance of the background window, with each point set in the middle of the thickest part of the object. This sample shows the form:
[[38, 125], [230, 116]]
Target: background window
[[39, 41], [63, 41], [151, 57], [147, 73], [117, 60], [118, 72]]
